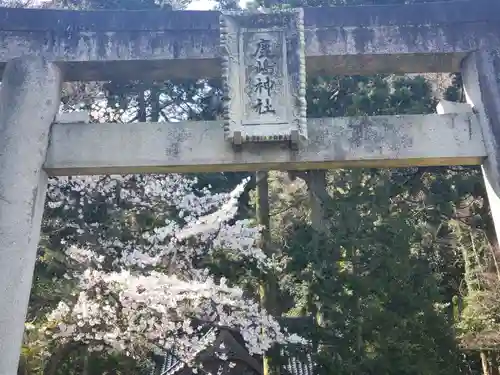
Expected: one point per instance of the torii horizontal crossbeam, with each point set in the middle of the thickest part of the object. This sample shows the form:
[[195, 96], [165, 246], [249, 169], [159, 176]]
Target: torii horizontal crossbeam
[[380, 141], [100, 45]]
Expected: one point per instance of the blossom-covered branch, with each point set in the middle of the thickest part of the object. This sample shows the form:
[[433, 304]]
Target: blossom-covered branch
[[141, 289]]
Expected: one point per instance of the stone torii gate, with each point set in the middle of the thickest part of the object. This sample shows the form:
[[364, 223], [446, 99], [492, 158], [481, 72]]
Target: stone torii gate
[[263, 59]]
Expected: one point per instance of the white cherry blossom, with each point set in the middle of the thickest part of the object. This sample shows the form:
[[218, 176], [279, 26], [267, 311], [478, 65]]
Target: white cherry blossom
[[150, 289]]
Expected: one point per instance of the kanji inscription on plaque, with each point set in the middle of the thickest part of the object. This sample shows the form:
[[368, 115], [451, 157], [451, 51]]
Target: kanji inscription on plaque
[[263, 75]]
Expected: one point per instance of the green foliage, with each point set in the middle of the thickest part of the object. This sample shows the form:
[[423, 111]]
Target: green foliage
[[377, 95], [383, 277]]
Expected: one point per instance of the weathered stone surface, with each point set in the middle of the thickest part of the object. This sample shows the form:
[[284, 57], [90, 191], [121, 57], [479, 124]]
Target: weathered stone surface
[[382, 141], [73, 117], [481, 78], [29, 100], [445, 107], [264, 77], [430, 37]]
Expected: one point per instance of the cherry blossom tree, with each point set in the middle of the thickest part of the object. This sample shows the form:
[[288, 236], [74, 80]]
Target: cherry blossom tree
[[141, 276]]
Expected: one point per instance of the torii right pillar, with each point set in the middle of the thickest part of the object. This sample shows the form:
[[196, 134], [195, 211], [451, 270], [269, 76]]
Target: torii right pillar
[[481, 80]]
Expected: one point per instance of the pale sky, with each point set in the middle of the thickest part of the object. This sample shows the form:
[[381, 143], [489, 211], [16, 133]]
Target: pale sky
[[201, 5], [208, 4]]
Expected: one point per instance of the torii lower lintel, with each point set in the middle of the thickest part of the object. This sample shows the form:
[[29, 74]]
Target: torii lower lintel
[[379, 141]]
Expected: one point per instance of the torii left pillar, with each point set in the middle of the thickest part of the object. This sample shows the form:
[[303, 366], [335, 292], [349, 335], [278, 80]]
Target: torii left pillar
[[29, 101]]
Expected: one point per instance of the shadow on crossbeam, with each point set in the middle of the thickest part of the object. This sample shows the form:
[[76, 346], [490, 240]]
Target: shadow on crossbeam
[[344, 142]]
